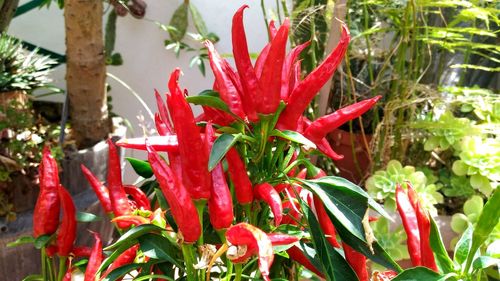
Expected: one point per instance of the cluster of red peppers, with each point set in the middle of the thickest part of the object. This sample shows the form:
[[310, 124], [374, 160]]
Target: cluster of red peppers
[[252, 185]]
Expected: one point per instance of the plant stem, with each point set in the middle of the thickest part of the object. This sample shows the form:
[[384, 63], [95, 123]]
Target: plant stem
[[263, 7], [237, 270], [200, 207], [44, 263], [62, 268], [187, 252]]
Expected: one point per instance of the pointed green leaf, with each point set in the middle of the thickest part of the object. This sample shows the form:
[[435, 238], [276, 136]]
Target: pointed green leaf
[[485, 262], [334, 265], [33, 277], [121, 271], [42, 241], [418, 274], [221, 146], [199, 23], [293, 136], [179, 22], [158, 247], [209, 100], [21, 241], [129, 237], [445, 264], [141, 167], [87, 217], [463, 246]]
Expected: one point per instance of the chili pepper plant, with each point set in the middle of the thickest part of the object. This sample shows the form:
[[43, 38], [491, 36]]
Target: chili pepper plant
[[231, 194]]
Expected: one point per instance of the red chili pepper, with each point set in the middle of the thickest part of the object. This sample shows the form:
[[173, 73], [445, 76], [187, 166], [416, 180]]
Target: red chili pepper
[[297, 255], [250, 83], [81, 251], [99, 189], [193, 153], [220, 203], [323, 145], [163, 113], [324, 125], [288, 73], [95, 259], [280, 239], [272, 30], [140, 198], [424, 227], [305, 91], [325, 222], [357, 261], [244, 234], [127, 257], [117, 195], [67, 230], [266, 192], [295, 78], [227, 90], [238, 174], [177, 196], [410, 224], [46, 213], [293, 216], [167, 143], [51, 250], [161, 128], [271, 72], [217, 116]]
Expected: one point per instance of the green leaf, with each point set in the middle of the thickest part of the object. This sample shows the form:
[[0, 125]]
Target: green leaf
[[87, 217], [179, 22], [334, 265], [21, 241], [346, 208], [41, 241], [293, 136], [485, 224], [141, 167], [209, 100], [121, 271], [33, 277], [463, 246], [484, 262], [221, 146], [445, 264], [129, 237], [418, 274], [199, 23], [158, 247]]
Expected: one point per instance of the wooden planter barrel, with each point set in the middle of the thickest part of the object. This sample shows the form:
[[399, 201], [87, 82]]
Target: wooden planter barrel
[[18, 262]]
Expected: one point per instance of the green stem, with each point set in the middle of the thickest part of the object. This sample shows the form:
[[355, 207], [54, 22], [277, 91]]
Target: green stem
[[238, 271], [62, 268], [187, 252], [263, 7], [44, 263], [248, 211], [229, 270]]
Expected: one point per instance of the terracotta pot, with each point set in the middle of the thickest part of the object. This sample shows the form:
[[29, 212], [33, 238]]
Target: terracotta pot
[[356, 163]]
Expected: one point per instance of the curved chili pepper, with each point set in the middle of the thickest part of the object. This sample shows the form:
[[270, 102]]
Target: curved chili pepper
[[271, 72], [272, 30], [424, 227], [266, 192], [117, 195], [95, 259], [305, 91], [217, 116], [357, 261], [99, 189], [325, 222], [220, 203], [244, 234], [293, 216], [163, 113], [177, 196], [325, 124], [161, 128], [297, 255], [323, 145], [193, 154], [46, 212], [140, 198], [51, 250], [167, 143], [250, 83], [238, 174], [280, 239], [295, 77], [67, 230], [288, 73], [227, 90], [127, 257], [410, 224]]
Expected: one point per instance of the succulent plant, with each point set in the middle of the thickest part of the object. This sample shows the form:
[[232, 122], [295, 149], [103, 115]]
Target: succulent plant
[[19, 69]]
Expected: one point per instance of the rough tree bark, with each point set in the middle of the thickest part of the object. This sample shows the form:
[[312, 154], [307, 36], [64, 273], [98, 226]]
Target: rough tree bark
[[86, 71], [7, 10]]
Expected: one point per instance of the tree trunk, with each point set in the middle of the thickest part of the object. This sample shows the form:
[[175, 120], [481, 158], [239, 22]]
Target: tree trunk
[[86, 71], [7, 10]]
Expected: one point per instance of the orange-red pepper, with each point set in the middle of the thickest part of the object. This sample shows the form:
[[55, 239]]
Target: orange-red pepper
[[266, 192], [95, 259], [67, 230], [99, 189], [238, 174]]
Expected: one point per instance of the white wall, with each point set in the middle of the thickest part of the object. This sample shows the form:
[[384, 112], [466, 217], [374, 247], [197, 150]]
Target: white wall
[[147, 64]]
